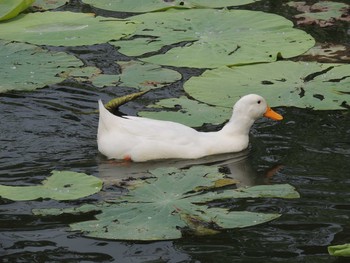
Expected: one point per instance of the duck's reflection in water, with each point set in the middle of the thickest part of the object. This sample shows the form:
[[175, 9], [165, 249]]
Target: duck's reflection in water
[[234, 165]]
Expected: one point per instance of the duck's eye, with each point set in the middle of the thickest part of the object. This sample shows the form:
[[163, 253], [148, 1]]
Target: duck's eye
[[259, 101]]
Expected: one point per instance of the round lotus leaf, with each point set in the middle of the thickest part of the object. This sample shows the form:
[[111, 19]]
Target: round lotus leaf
[[283, 83], [28, 67], [65, 29], [208, 38], [134, 6], [11, 8]]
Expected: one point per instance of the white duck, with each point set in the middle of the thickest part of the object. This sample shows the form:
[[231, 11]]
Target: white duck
[[142, 139]]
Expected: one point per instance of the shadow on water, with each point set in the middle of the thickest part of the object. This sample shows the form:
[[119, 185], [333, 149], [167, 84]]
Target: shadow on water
[[234, 165]]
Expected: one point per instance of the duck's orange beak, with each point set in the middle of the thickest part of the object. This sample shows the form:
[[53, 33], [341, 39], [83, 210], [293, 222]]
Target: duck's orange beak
[[269, 113]]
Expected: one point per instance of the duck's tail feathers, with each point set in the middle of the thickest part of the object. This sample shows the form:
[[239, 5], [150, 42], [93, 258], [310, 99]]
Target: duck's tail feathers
[[106, 119]]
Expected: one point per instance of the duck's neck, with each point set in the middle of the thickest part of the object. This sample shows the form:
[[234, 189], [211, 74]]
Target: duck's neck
[[239, 124]]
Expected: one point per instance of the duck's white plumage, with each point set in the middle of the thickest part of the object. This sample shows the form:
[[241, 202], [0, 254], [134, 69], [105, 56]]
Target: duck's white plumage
[[142, 139]]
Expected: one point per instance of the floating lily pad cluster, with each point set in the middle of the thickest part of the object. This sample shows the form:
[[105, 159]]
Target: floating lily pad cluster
[[192, 33], [154, 209], [27, 67]]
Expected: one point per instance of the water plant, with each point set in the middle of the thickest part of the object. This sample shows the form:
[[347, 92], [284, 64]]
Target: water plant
[[170, 201], [209, 38], [60, 185]]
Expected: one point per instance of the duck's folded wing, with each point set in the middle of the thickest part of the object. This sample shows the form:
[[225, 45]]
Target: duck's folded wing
[[146, 128], [158, 129]]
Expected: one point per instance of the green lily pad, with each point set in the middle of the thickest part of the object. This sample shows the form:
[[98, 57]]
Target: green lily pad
[[11, 8], [47, 5], [283, 83], [340, 250], [188, 112], [134, 6], [159, 208], [28, 67], [208, 38], [63, 185], [138, 75], [324, 13], [65, 29]]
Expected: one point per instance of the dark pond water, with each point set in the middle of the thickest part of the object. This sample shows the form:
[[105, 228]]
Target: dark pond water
[[45, 130]]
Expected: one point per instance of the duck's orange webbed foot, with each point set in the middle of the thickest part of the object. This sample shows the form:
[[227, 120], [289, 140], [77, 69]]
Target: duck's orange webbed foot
[[122, 162], [127, 158], [272, 171]]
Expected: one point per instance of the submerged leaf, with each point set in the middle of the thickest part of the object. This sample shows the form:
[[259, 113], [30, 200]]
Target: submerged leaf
[[160, 207], [134, 6], [11, 8], [65, 29], [340, 250], [283, 83], [328, 53], [208, 38], [323, 13], [63, 185]]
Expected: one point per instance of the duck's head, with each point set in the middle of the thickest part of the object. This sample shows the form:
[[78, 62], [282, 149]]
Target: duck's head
[[255, 107]]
